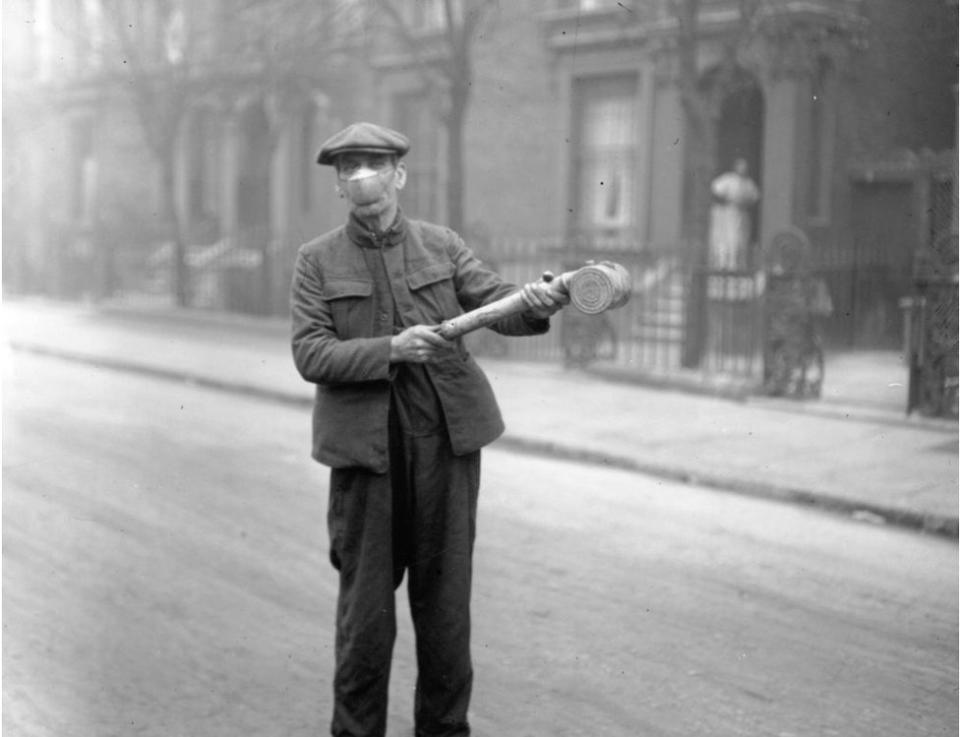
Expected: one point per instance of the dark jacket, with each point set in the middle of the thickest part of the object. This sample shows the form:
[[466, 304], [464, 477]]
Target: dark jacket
[[342, 331]]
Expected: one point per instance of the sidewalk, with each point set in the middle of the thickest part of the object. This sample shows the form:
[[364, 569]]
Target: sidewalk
[[853, 452]]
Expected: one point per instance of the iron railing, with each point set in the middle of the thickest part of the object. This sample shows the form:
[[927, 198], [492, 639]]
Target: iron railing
[[653, 332], [931, 331]]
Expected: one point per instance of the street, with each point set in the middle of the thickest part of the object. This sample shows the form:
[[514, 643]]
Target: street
[[165, 573]]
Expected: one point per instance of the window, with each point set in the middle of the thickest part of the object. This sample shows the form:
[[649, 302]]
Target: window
[[175, 35], [93, 24], [144, 27], [431, 15], [26, 32], [83, 170], [414, 117], [605, 154], [588, 5]]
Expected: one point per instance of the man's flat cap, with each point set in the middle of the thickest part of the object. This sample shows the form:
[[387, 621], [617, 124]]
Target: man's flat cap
[[365, 138]]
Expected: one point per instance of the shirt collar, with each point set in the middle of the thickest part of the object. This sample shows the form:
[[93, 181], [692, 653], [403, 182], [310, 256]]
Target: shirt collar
[[362, 236]]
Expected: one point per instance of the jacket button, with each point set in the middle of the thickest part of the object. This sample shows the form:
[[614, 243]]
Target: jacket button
[[383, 316]]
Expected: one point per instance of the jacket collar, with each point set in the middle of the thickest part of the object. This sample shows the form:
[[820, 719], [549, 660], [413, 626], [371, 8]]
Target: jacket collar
[[362, 236]]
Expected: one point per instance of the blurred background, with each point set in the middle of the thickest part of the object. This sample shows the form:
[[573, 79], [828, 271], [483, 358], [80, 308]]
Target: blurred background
[[163, 151]]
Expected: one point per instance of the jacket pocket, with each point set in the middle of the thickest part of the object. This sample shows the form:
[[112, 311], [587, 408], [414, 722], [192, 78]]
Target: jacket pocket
[[429, 275], [433, 289], [350, 302], [343, 288]]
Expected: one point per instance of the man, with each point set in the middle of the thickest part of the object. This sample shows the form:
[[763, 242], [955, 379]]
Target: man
[[400, 416]]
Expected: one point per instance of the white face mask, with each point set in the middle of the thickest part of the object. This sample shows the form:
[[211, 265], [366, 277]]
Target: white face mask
[[367, 186], [370, 185], [363, 172]]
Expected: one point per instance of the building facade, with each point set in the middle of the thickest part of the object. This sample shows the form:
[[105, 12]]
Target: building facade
[[591, 129]]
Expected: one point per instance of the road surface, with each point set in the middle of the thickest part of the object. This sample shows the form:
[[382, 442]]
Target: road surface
[[165, 573]]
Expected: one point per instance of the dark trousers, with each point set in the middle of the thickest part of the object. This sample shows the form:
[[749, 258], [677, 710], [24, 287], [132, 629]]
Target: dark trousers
[[419, 517]]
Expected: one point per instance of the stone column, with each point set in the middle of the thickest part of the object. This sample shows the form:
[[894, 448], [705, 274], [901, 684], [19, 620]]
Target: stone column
[[645, 135], [668, 144], [789, 62], [181, 175], [792, 59], [282, 111], [230, 168], [779, 156]]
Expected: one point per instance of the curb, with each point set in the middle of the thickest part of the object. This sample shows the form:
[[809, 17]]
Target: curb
[[939, 525], [196, 316], [746, 393], [936, 524], [736, 391], [850, 412], [174, 375], [739, 391]]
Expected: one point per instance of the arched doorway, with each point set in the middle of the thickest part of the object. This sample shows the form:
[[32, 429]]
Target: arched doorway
[[740, 134], [725, 312]]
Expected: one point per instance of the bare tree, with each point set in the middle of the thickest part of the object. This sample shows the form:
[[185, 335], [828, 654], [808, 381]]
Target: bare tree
[[166, 53], [276, 45], [450, 71], [153, 65], [280, 53]]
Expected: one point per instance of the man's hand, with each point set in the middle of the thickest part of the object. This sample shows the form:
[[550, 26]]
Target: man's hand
[[543, 298], [419, 344]]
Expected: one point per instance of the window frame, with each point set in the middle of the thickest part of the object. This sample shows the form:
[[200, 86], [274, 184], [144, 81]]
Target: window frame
[[581, 220]]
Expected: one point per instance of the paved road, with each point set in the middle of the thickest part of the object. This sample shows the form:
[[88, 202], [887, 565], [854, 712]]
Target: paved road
[[165, 574], [842, 456]]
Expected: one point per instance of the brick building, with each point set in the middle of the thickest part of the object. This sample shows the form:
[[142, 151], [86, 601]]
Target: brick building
[[577, 142]]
